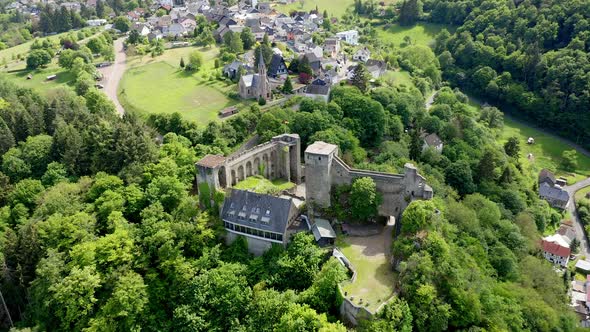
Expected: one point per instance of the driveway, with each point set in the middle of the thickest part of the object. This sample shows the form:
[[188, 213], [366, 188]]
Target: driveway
[[113, 73]]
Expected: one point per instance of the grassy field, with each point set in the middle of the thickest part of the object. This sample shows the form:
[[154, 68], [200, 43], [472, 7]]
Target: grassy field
[[335, 8], [581, 194], [261, 185], [375, 278], [398, 78], [421, 34], [158, 85], [18, 72], [39, 80], [546, 151]]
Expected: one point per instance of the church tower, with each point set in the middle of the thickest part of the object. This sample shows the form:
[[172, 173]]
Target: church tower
[[263, 86]]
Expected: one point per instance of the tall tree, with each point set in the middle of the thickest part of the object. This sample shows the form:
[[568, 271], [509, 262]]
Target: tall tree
[[361, 77]]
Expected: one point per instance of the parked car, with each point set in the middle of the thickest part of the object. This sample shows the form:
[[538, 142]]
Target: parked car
[[99, 86]]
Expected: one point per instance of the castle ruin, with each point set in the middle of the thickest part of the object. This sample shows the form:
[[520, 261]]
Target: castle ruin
[[281, 158]]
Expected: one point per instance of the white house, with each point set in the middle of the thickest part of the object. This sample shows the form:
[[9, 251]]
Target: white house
[[556, 253], [350, 36], [432, 141], [362, 55], [96, 23]]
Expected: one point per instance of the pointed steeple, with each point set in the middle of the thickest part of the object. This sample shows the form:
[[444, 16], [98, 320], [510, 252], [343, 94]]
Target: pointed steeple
[[261, 64], [263, 90]]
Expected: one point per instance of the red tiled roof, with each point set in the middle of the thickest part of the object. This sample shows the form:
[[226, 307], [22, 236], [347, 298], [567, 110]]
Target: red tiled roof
[[556, 249], [211, 160]]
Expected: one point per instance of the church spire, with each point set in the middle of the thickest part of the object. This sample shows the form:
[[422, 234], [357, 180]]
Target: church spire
[[261, 64]]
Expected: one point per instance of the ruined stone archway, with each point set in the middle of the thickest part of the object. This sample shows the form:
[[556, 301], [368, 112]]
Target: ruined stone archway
[[241, 173], [234, 179], [265, 165], [248, 168], [257, 169]]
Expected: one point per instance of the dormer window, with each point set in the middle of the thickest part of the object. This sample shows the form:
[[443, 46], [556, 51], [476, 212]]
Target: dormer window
[[267, 213], [232, 205], [244, 208]]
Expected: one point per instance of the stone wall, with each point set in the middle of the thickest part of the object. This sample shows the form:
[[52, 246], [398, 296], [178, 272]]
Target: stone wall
[[324, 169], [255, 246], [278, 158]]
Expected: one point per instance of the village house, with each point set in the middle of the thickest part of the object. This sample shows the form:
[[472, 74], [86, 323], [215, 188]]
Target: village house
[[376, 67], [556, 252], [277, 68], [432, 141], [232, 69], [351, 36], [550, 190], [332, 47], [318, 92], [362, 55]]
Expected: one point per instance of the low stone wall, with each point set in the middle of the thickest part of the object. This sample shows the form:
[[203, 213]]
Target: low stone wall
[[352, 313], [349, 312]]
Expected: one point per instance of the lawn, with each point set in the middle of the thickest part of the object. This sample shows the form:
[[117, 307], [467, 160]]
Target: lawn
[[158, 85], [39, 80], [335, 8], [375, 278], [261, 185], [546, 151], [398, 78], [420, 34], [580, 194]]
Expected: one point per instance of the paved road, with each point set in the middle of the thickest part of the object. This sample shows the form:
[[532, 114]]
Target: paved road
[[112, 75], [578, 227]]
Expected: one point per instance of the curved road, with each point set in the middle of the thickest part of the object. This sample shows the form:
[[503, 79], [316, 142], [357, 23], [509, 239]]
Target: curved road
[[571, 208], [578, 227], [112, 75]]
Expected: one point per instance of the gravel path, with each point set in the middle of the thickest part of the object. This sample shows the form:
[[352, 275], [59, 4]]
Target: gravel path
[[112, 75]]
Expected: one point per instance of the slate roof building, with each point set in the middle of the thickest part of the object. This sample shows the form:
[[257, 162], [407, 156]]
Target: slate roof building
[[556, 196], [262, 219], [277, 68], [432, 141], [551, 191], [323, 232], [547, 176]]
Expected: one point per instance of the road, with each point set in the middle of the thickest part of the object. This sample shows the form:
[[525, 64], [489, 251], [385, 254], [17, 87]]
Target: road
[[578, 227], [112, 75]]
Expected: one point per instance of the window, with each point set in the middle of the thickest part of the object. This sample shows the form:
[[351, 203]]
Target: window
[[267, 212], [244, 208], [232, 205], [252, 219]]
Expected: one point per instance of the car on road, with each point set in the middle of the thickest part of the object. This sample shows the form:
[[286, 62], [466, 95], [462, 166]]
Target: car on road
[[99, 86]]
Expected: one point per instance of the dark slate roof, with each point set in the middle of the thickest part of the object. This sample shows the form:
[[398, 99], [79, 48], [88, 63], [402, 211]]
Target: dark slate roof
[[235, 65], [556, 193], [545, 175], [271, 212], [314, 89], [432, 140], [275, 64]]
